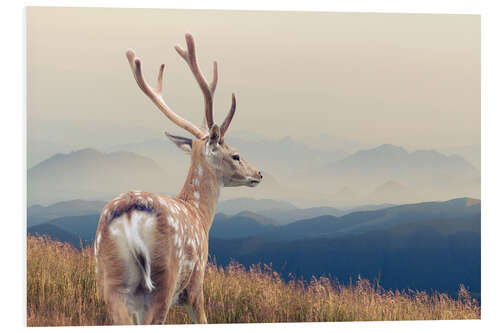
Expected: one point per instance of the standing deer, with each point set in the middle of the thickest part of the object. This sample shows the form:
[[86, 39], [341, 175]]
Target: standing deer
[[151, 249]]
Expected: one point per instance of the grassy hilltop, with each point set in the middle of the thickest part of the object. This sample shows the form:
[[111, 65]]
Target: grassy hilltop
[[61, 290]]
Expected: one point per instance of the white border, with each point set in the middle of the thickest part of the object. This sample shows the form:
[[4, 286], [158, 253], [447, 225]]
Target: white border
[[14, 147]]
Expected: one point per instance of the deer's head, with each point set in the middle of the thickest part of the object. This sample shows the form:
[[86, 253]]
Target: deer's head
[[223, 160]]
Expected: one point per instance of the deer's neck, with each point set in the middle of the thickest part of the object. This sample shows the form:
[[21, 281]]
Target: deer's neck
[[202, 187]]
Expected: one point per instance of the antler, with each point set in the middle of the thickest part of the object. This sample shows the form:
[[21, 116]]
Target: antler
[[229, 117], [208, 90], [155, 95]]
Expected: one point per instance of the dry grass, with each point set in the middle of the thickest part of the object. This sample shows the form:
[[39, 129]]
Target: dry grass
[[62, 291]]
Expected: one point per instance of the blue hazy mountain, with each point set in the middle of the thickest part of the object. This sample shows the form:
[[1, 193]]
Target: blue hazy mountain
[[430, 255], [250, 224], [38, 214], [431, 245], [282, 216], [56, 233], [363, 221], [234, 206], [238, 226], [83, 227]]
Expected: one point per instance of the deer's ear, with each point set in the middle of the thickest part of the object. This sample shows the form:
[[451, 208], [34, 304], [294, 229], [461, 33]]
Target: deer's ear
[[214, 136], [183, 143]]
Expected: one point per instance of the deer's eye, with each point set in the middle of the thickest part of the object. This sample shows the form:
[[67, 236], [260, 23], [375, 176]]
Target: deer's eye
[[236, 157]]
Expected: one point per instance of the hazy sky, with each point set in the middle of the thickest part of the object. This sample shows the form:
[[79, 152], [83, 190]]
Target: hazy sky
[[406, 79]]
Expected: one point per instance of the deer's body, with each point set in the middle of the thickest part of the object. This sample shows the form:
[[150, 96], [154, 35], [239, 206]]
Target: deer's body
[[138, 228], [150, 249]]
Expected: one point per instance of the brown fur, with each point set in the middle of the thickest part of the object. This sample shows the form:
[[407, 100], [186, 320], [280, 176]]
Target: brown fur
[[167, 279]]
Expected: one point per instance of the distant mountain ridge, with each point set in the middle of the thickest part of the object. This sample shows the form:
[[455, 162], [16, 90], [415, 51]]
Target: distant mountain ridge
[[429, 255], [425, 174], [264, 211], [391, 189], [408, 246], [251, 224], [306, 177], [88, 173], [234, 206], [37, 213], [329, 226]]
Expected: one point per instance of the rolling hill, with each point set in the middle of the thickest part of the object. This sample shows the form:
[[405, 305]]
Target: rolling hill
[[363, 221], [81, 227], [250, 224], [55, 233], [433, 255], [38, 214]]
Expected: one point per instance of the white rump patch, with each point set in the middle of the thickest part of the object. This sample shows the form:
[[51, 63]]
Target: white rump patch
[[134, 238], [149, 222], [114, 230], [197, 195]]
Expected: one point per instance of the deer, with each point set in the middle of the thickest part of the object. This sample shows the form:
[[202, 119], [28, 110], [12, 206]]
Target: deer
[[151, 250]]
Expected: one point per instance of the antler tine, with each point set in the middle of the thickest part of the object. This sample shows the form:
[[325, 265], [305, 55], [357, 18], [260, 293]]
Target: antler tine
[[155, 95], [229, 117], [208, 90], [213, 84]]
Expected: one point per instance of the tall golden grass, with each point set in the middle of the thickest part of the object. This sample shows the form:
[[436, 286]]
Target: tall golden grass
[[62, 291]]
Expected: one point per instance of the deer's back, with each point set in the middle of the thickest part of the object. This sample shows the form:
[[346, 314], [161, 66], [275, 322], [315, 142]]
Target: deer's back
[[141, 236]]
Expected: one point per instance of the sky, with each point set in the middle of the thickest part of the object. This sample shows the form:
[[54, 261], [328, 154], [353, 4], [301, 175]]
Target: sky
[[406, 79]]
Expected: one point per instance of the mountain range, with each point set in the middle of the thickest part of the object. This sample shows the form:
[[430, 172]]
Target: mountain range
[[83, 222], [430, 245], [379, 175], [431, 255], [391, 172], [92, 175], [264, 211], [328, 226]]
